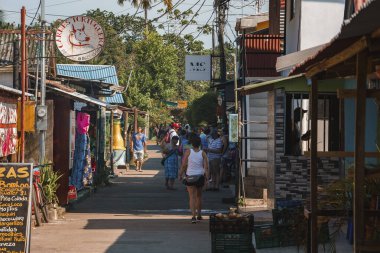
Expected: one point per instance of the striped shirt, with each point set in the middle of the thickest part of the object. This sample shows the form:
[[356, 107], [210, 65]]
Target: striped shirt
[[215, 144]]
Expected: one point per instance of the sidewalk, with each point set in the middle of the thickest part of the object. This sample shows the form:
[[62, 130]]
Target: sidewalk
[[135, 214]]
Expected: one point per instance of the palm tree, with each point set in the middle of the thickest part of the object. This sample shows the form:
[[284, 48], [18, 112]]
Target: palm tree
[[146, 5]]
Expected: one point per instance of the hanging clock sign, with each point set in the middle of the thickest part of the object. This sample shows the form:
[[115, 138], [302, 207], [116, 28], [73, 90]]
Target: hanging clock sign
[[80, 38]]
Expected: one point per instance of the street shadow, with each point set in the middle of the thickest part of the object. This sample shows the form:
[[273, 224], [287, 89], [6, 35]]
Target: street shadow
[[166, 234]]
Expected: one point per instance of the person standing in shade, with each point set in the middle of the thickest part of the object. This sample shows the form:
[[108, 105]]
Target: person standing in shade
[[171, 163], [195, 164], [139, 148], [214, 153]]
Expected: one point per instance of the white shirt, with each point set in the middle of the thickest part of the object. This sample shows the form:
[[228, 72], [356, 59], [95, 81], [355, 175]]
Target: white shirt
[[195, 163]]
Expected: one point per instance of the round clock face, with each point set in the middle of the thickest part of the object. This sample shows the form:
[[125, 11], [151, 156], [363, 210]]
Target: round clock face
[[80, 38]]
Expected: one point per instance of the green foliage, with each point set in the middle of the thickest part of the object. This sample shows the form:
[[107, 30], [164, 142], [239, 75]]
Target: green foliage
[[203, 110], [159, 114], [49, 181], [156, 72], [141, 122]]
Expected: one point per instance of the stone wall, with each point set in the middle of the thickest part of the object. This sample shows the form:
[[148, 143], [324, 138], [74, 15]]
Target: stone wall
[[292, 173]]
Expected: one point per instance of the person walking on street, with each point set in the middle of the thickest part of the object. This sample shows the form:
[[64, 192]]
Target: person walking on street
[[214, 153], [139, 148], [171, 163], [195, 167]]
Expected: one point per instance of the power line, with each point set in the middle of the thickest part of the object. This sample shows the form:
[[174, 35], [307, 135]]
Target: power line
[[212, 14], [192, 18], [35, 15]]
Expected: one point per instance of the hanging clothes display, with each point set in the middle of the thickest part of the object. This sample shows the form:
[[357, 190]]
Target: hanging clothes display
[[8, 129], [81, 174]]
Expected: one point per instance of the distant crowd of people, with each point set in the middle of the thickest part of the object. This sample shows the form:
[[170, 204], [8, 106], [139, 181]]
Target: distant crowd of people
[[199, 157]]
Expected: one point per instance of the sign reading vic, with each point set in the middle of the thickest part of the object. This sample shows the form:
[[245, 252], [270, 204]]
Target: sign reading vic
[[80, 38], [198, 68], [15, 207]]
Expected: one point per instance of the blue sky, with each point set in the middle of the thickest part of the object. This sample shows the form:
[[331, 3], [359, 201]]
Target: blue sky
[[61, 9]]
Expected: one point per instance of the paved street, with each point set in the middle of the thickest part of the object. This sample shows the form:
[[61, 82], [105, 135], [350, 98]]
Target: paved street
[[138, 214], [135, 214]]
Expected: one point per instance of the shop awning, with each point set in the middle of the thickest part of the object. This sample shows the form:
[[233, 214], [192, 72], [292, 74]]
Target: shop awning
[[288, 61], [264, 86], [81, 97], [14, 91], [104, 74]]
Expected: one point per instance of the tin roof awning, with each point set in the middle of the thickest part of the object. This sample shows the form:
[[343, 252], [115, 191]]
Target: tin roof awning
[[288, 61], [264, 86], [80, 97], [14, 91], [104, 75]]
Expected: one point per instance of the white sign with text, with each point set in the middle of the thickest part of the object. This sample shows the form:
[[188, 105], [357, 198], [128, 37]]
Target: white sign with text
[[198, 68]]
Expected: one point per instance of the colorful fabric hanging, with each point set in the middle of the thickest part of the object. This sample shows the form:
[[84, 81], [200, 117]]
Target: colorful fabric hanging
[[81, 174], [8, 129], [83, 122]]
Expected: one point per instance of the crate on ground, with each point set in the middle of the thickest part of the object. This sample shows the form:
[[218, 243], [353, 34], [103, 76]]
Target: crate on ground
[[240, 224], [266, 236], [231, 243]]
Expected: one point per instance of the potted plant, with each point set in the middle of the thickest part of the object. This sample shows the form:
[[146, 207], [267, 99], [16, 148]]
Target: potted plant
[[49, 181]]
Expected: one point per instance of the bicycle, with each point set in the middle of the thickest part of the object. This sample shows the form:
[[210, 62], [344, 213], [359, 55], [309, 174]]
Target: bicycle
[[39, 199]]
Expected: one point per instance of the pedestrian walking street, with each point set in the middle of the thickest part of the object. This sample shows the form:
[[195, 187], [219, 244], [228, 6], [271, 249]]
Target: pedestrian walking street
[[136, 213]]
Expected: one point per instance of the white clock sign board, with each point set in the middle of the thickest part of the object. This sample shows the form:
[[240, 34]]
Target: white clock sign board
[[80, 38]]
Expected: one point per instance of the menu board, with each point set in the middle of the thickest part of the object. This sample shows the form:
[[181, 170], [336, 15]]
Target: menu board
[[15, 207]]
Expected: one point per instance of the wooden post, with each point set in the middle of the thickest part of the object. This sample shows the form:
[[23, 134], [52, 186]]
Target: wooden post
[[111, 143], [314, 165], [23, 83], [126, 138], [135, 118], [360, 106]]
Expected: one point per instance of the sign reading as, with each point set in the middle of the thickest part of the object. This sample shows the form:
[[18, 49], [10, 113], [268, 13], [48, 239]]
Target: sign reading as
[[15, 207], [80, 38], [198, 68]]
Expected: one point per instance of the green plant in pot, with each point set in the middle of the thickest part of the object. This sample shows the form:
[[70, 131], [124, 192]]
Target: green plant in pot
[[49, 181]]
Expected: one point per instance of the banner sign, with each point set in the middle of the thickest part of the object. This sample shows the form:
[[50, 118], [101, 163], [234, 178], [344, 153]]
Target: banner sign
[[233, 128], [15, 207], [80, 38], [198, 68], [182, 104]]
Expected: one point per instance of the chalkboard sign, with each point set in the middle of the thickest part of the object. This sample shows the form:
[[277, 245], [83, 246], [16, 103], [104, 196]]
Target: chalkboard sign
[[15, 207]]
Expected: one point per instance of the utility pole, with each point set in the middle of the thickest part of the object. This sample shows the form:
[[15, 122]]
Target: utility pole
[[221, 7], [42, 111], [23, 83]]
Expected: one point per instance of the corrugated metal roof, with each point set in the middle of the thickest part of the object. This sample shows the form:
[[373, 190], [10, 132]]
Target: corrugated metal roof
[[80, 97], [7, 37], [115, 99], [363, 22], [101, 73]]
